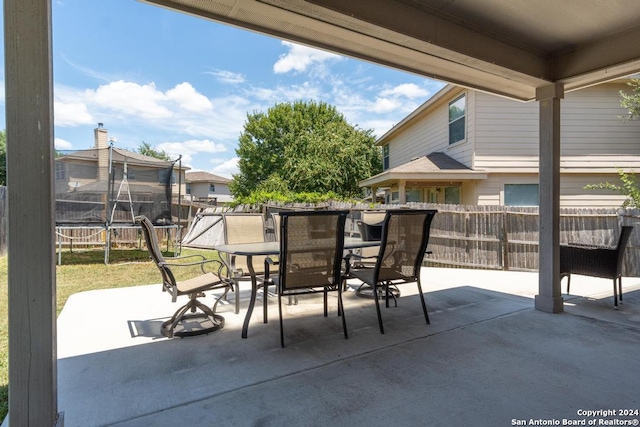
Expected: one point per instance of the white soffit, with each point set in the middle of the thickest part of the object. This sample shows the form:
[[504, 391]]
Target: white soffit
[[505, 47]]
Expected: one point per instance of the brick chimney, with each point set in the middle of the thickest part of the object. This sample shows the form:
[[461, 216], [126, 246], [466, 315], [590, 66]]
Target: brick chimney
[[101, 138]]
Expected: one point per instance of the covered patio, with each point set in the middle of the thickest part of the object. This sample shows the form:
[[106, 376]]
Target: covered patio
[[521, 49], [487, 358]]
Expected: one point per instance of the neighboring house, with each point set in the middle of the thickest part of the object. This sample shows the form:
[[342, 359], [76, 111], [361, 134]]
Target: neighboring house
[[209, 188], [467, 147]]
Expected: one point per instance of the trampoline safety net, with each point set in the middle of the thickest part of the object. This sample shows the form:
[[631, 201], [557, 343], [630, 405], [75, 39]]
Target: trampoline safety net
[[111, 186]]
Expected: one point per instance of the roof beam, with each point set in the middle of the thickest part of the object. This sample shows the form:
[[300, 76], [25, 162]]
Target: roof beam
[[446, 39], [592, 64]]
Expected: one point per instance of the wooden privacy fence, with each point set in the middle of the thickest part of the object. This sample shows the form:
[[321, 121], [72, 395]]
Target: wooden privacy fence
[[506, 237], [485, 237]]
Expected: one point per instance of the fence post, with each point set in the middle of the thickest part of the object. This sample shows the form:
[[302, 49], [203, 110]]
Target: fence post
[[504, 241]]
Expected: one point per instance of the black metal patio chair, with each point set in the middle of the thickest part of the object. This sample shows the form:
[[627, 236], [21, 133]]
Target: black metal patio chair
[[405, 235], [311, 258]]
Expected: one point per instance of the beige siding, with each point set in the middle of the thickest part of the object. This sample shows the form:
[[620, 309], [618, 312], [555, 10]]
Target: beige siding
[[506, 134], [201, 189], [425, 137], [592, 124], [593, 134], [431, 134], [573, 194]]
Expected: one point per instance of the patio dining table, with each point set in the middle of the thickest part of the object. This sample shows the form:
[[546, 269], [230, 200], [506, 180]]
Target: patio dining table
[[249, 250]]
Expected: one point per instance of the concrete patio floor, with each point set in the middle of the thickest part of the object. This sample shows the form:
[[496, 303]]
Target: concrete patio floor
[[488, 358]]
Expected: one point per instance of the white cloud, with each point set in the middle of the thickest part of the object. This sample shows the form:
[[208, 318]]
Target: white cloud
[[71, 114], [291, 93], [379, 126], [188, 98], [226, 168], [130, 98], [191, 148], [62, 144], [179, 110], [407, 90], [300, 58], [225, 76], [386, 105]]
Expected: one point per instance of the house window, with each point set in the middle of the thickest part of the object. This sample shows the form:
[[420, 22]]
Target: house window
[[61, 171], [163, 176], [188, 188], [457, 114], [521, 195], [395, 197], [452, 195], [212, 188], [432, 195], [414, 195], [385, 157]]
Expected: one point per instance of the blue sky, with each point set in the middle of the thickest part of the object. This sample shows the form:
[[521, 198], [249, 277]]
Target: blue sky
[[185, 85]]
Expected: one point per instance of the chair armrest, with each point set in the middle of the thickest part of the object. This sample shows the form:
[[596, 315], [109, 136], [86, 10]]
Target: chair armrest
[[354, 255], [202, 257], [197, 263], [268, 261]]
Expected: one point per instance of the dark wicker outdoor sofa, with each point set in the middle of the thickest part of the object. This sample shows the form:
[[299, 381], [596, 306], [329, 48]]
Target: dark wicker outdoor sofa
[[596, 261]]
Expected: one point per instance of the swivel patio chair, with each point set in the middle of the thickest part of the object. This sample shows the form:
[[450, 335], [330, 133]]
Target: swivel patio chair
[[405, 235], [596, 261], [244, 228], [311, 257], [182, 323]]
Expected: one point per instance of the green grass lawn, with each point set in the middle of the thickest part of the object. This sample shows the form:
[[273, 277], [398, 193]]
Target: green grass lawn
[[81, 271]]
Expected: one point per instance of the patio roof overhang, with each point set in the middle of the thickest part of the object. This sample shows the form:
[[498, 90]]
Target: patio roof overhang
[[435, 167], [387, 178], [521, 49], [505, 47]]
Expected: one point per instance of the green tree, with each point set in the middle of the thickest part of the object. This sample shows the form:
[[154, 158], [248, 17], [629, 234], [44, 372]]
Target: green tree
[[3, 157], [628, 182], [628, 187], [631, 101], [304, 147], [146, 149]]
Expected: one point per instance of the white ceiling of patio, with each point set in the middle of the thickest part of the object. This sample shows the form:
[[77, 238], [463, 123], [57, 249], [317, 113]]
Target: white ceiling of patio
[[506, 47]]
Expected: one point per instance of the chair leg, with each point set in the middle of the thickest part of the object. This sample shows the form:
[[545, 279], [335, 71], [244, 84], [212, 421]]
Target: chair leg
[[265, 295], [615, 295], [237, 298], [568, 282], [222, 297], [281, 328], [236, 294], [620, 288], [424, 305], [375, 293], [326, 300], [340, 311]]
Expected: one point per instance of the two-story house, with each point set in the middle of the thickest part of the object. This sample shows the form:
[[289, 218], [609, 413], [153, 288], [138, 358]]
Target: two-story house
[[464, 146], [108, 184], [207, 187]]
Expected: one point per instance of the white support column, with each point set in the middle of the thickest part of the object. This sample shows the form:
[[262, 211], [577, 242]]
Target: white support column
[[30, 152], [402, 190], [549, 297]]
